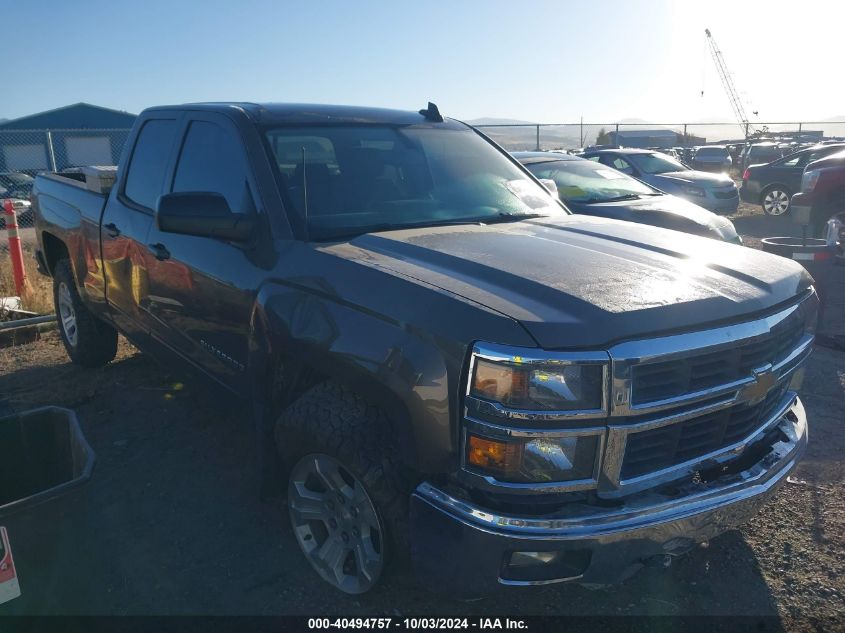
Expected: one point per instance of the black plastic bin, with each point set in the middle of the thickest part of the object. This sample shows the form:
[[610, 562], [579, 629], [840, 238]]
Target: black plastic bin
[[43, 457]]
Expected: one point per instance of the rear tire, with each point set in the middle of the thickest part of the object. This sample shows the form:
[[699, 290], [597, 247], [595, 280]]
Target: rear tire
[[347, 500], [776, 201], [88, 341]]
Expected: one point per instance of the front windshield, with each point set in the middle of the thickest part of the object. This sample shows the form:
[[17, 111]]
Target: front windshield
[[356, 179], [586, 181], [656, 163]]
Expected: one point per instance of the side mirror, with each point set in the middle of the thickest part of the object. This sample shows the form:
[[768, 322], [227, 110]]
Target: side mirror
[[202, 214], [550, 185]]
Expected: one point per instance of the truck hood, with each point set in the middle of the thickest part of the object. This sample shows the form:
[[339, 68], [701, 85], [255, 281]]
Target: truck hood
[[579, 281]]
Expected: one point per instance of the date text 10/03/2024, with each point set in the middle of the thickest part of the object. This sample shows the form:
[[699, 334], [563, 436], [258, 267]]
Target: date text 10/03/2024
[[413, 624]]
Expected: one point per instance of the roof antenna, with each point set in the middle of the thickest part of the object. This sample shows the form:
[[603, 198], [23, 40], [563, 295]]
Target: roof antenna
[[431, 113], [304, 197]]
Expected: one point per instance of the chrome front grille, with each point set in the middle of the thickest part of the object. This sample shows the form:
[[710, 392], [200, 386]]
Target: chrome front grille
[[679, 401], [661, 379], [666, 446]]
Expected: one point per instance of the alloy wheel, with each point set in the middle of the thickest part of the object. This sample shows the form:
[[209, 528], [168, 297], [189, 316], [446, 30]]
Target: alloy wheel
[[776, 202], [67, 315], [336, 523]]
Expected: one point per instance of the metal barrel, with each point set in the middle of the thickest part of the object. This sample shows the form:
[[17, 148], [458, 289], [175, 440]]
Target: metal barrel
[[816, 255]]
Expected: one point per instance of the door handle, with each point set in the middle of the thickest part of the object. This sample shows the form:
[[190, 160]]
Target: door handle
[[111, 229], [159, 251]]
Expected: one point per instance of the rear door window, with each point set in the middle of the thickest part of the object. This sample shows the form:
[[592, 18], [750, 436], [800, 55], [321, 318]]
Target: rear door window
[[148, 165], [211, 161]]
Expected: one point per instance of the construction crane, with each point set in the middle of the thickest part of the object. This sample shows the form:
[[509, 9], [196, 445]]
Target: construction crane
[[727, 82]]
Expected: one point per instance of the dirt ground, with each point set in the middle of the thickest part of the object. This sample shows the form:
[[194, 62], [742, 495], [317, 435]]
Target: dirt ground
[[171, 522]]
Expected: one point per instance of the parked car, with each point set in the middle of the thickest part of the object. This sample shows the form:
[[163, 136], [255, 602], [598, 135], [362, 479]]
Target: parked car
[[772, 185], [685, 154], [822, 192], [760, 153], [712, 158], [592, 189], [16, 185], [444, 360], [23, 210], [714, 192]]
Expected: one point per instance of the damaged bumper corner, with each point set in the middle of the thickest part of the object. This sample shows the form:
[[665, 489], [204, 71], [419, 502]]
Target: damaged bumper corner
[[463, 548]]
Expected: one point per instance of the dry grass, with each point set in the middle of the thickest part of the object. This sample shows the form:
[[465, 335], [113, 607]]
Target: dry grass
[[38, 294]]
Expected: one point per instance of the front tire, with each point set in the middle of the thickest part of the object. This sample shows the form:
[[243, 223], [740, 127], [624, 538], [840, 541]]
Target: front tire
[[347, 501], [775, 201], [88, 341]]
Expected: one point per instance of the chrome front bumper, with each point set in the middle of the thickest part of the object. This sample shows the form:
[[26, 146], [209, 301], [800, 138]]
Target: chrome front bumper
[[463, 548]]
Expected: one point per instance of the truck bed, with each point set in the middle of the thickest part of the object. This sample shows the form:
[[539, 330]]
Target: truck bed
[[68, 212], [62, 201]]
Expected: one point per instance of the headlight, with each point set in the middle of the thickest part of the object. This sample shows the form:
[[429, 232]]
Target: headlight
[[554, 387], [809, 180], [554, 390], [693, 191]]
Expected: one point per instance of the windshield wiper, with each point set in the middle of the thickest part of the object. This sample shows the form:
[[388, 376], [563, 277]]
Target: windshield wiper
[[627, 196], [393, 226], [511, 217], [396, 226]]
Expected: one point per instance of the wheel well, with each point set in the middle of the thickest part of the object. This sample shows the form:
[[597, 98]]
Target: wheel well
[[54, 250], [775, 185], [288, 379]]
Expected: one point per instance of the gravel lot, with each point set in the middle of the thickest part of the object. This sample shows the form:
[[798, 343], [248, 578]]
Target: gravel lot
[[171, 522]]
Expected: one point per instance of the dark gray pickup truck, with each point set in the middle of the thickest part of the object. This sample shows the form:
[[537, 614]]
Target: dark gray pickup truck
[[444, 365]]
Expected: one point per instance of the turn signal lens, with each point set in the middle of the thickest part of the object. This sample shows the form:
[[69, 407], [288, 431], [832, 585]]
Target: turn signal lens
[[501, 458], [523, 460]]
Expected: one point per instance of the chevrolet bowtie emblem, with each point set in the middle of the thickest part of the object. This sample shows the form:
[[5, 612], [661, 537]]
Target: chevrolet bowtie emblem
[[754, 392]]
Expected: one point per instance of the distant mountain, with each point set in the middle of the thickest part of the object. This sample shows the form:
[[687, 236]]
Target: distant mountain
[[633, 122], [495, 121]]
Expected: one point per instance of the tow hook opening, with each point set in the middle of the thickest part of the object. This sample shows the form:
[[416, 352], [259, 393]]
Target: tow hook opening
[[660, 560], [545, 566], [750, 456]]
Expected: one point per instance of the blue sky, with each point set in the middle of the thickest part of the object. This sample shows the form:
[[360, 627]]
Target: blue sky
[[550, 61]]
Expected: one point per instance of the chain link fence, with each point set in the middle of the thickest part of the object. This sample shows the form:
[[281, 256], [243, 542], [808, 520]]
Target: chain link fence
[[24, 153], [570, 136]]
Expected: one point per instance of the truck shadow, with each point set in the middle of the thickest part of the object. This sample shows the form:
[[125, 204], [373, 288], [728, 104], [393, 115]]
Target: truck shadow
[[721, 579]]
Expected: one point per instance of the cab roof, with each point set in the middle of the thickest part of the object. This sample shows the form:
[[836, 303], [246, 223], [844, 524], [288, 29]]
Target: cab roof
[[270, 114]]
